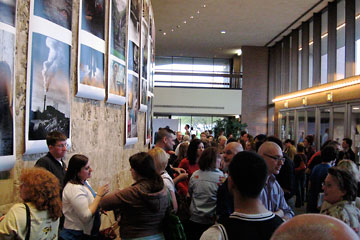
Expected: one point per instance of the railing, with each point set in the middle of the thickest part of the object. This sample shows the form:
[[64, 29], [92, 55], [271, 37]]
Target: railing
[[198, 79]]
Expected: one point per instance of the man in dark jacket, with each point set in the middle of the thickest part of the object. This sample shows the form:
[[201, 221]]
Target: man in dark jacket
[[52, 161]]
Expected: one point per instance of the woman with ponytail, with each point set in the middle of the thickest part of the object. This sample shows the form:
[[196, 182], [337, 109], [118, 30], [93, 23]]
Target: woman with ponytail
[[142, 206]]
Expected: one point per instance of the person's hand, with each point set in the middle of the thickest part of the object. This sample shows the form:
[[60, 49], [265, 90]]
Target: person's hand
[[179, 170], [171, 152], [103, 190], [182, 176], [2, 217]]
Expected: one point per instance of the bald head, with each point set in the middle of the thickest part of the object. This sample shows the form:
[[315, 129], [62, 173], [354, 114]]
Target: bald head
[[230, 151], [272, 154], [314, 227]]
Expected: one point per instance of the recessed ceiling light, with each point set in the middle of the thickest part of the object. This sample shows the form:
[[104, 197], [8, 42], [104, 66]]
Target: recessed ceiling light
[[191, 17], [185, 21], [223, 32], [198, 12], [164, 33], [172, 30], [178, 26], [204, 6]]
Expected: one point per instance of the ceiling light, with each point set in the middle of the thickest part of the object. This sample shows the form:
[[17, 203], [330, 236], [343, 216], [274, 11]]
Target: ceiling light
[[185, 22], [172, 30], [239, 52], [356, 108], [198, 12], [204, 6], [164, 33], [191, 17], [223, 32], [178, 26]]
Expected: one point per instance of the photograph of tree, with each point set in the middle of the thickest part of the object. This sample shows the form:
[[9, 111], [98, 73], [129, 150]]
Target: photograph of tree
[[118, 28]]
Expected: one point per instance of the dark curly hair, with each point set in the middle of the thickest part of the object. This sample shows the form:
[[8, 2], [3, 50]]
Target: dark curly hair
[[42, 188]]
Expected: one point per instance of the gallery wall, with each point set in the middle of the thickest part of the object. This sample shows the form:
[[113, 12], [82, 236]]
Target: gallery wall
[[98, 127]]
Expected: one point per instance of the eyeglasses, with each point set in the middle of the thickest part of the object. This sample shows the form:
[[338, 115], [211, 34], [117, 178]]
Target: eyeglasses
[[275, 158], [62, 145]]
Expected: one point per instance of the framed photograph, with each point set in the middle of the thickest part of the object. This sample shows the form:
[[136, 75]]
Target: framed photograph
[[116, 90], [144, 66], [133, 72], [91, 50], [56, 11], [148, 121], [48, 82], [7, 84], [131, 118]]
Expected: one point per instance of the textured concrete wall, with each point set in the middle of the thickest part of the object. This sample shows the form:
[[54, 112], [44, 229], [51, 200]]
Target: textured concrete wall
[[255, 94], [97, 128]]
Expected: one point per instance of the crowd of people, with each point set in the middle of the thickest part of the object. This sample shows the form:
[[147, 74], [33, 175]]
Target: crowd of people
[[220, 188]]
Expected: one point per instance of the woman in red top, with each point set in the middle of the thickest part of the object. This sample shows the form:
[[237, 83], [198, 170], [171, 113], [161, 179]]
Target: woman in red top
[[190, 164]]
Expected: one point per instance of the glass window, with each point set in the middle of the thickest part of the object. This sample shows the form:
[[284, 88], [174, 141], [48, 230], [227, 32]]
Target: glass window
[[301, 126], [324, 125], [291, 128], [340, 41], [339, 122], [299, 60], [208, 72], [182, 64], [282, 119], [324, 47], [357, 37], [271, 113], [310, 122], [311, 52], [355, 129]]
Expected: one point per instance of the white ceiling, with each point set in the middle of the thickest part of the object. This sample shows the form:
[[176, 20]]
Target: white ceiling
[[246, 22]]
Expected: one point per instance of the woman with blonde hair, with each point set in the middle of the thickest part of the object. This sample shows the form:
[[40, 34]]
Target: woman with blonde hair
[[40, 191], [161, 160], [180, 152]]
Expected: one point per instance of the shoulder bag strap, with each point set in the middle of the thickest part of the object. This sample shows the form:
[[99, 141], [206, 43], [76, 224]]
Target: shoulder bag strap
[[223, 231], [28, 222]]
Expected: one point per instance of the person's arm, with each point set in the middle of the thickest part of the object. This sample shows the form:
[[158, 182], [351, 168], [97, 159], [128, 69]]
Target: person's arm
[[115, 199], [284, 207], [174, 202], [99, 195], [180, 177]]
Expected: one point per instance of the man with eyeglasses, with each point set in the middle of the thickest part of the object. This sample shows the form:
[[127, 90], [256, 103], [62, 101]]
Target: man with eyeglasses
[[272, 195], [52, 161]]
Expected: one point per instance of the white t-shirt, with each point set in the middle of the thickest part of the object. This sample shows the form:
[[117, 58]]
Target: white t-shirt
[[169, 183], [14, 224]]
